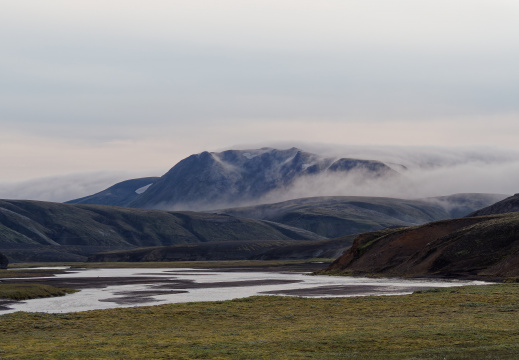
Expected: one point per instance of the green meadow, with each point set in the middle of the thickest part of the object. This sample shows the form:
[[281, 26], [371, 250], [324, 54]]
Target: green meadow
[[473, 322], [31, 291]]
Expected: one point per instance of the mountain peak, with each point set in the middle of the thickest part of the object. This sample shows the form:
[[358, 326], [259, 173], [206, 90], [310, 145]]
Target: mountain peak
[[210, 180]]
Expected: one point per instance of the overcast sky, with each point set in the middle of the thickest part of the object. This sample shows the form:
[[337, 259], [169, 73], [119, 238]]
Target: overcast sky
[[136, 86]]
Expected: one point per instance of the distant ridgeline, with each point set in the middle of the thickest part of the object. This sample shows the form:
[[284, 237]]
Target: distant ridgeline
[[212, 180], [44, 231], [296, 229]]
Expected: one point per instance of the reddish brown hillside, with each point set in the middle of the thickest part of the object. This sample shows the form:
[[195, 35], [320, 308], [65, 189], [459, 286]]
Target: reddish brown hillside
[[468, 247]]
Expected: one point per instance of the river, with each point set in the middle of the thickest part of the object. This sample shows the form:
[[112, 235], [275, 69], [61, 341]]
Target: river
[[115, 288]]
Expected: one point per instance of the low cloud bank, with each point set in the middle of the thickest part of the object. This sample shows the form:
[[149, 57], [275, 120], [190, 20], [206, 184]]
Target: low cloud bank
[[61, 188], [424, 172], [411, 184]]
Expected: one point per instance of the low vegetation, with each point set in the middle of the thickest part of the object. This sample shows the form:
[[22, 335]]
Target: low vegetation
[[23, 272], [450, 323], [167, 264], [31, 291]]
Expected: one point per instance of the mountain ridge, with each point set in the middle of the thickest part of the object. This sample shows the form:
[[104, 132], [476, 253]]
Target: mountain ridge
[[120, 194], [26, 224], [335, 216], [211, 180]]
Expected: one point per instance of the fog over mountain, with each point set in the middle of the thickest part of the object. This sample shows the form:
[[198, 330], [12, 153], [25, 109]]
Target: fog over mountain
[[62, 188], [428, 171], [234, 177]]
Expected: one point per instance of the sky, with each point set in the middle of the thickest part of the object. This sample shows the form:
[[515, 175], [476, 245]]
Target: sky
[[128, 88]]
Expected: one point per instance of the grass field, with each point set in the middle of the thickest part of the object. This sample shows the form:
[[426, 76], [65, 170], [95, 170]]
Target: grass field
[[475, 322], [31, 291], [169, 264]]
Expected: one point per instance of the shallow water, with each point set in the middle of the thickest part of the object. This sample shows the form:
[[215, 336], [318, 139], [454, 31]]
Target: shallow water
[[193, 285]]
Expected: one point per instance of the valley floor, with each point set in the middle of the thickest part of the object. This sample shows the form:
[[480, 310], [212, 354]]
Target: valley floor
[[473, 322]]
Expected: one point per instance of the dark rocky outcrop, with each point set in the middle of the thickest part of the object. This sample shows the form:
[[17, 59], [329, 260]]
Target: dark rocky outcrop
[[472, 247], [4, 261]]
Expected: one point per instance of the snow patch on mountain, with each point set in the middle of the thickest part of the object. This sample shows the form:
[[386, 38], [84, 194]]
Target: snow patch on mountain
[[141, 190]]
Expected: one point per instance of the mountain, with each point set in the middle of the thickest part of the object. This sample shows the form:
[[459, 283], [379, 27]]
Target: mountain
[[326, 216], [471, 247], [508, 205], [337, 216], [44, 231], [211, 180], [120, 194]]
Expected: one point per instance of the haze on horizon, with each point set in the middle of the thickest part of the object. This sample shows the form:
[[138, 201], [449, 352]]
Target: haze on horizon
[[128, 88]]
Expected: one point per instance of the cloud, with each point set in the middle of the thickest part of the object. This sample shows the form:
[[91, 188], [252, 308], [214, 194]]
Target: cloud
[[427, 171], [60, 188], [411, 184], [24, 157], [67, 64], [136, 86]]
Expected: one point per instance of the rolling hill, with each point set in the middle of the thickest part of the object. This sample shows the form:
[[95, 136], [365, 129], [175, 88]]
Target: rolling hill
[[472, 247], [44, 231], [344, 215], [508, 205], [324, 215]]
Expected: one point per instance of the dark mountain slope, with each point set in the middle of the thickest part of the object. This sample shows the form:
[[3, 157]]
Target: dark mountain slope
[[4, 261], [478, 247], [120, 194], [327, 215], [208, 179], [508, 205], [344, 215], [53, 226]]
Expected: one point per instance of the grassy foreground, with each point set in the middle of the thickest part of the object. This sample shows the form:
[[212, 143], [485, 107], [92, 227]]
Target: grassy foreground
[[475, 322], [31, 291]]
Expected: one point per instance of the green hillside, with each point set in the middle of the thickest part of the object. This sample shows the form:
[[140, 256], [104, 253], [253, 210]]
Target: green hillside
[[41, 231], [336, 216]]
